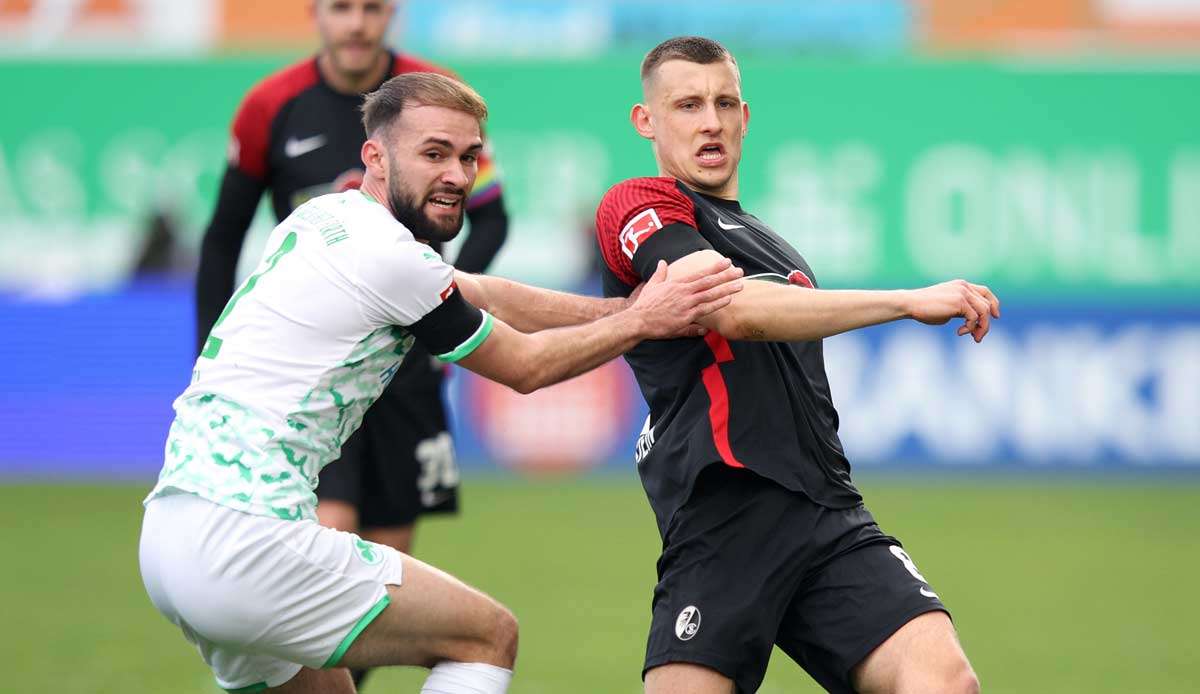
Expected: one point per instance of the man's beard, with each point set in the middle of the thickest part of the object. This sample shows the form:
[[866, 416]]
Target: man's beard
[[411, 213]]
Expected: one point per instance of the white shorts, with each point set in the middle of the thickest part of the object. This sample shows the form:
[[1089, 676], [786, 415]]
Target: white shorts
[[260, 597]]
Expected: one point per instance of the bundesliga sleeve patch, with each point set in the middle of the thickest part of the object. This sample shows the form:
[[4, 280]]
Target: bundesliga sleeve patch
[[640, 228]]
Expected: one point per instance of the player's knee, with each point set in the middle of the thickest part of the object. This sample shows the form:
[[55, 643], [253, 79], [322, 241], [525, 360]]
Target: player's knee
[[503, 635], [953, 677], [966, 682], [958, 678]]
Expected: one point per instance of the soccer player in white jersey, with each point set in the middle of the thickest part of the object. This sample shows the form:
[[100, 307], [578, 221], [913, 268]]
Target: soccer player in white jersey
[[230, 550]]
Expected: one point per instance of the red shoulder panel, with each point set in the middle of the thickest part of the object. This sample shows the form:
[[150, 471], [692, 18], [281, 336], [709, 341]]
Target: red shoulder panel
[[252, 124], [631, 212], [407, 63]]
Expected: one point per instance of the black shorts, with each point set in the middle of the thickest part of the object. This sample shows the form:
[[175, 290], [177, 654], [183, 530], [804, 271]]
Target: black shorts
[[747, 564], [400, 463]]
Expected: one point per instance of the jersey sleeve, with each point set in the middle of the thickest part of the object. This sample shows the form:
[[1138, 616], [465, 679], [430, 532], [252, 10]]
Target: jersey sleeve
[[642, 221], [249, 136], [408, 284]]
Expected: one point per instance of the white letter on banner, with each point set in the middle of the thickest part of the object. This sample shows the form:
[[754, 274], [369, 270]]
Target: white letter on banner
[[1184, 224], [1110, 380], [1178, 361], [950, 212]]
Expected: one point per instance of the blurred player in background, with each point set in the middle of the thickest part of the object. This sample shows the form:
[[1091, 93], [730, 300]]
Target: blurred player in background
[[298, 133], [765, 539], [230, 552]]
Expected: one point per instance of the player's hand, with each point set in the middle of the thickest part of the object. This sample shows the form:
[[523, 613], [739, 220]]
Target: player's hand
[[974, 303], [670, 308]]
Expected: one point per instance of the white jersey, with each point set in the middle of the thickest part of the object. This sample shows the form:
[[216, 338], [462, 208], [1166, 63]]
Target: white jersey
[[305, 345]]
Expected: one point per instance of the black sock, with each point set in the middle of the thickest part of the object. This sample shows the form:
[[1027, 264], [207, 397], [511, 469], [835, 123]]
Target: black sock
[[358, 676]]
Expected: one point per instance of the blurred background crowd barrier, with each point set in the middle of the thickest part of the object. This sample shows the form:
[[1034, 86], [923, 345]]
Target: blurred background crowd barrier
[[1049, 149]]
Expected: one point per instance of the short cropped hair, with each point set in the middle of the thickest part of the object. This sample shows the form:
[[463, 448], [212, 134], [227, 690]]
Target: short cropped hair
[[693, 49], [383, 106]]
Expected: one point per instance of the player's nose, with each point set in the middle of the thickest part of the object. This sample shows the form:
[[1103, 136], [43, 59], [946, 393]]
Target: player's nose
[[456, 174], [710, 123]]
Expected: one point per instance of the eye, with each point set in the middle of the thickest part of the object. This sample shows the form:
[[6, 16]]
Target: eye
[[727, 103], [470, 158], [689, 106], [433, 155]]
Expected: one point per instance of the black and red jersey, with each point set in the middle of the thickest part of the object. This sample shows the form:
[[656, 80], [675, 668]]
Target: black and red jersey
[[301, 138], [296, 135], [765, 406]]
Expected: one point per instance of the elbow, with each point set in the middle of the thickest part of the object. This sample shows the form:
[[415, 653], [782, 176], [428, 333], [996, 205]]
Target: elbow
[[524, 387], [527, 377], [526, 383]]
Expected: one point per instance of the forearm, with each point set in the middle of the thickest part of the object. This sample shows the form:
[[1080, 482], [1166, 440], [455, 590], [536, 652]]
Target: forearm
[[529, 309], [214, 284], [563, 353], [779, 313], [221, 247], [528, 362]]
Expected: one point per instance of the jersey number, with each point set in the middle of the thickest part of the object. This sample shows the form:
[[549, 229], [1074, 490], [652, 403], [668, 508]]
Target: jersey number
[[212, 346], [439, 473], [908, 563]]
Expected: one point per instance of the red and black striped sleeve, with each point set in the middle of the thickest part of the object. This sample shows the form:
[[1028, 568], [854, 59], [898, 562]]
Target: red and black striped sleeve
[[250, 138], [642, 221]]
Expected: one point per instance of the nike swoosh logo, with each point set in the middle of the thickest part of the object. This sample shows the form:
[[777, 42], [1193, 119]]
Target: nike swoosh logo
[[928, 593], [294, 148], [727, 227]]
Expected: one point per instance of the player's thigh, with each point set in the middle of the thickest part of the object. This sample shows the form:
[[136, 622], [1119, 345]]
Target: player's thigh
[[852, 605], [924, 655], [432, 617], [732, 560], [398, 537], [310, 681], [687, 678], [412, 469], [340, 515]]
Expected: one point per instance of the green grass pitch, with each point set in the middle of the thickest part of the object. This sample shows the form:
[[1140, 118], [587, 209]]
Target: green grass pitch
[[1057, 586]]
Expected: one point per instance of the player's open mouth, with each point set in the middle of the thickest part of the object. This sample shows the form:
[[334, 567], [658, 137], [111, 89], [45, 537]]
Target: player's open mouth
[[711, 155], [444, 202]]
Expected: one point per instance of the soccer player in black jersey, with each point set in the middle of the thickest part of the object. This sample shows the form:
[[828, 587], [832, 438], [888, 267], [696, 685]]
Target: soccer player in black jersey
[[765, 538], [299, 133]]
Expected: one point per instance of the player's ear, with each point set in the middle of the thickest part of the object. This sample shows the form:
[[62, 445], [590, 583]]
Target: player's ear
[[745, 118], [373, 159], [640, 117]]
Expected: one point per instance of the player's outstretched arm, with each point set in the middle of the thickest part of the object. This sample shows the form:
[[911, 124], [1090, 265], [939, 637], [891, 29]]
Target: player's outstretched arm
[[530, 309], [775, 312], [665, 308]]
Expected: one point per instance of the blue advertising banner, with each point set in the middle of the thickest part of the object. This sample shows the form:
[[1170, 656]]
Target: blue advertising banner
[[88, 384]]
